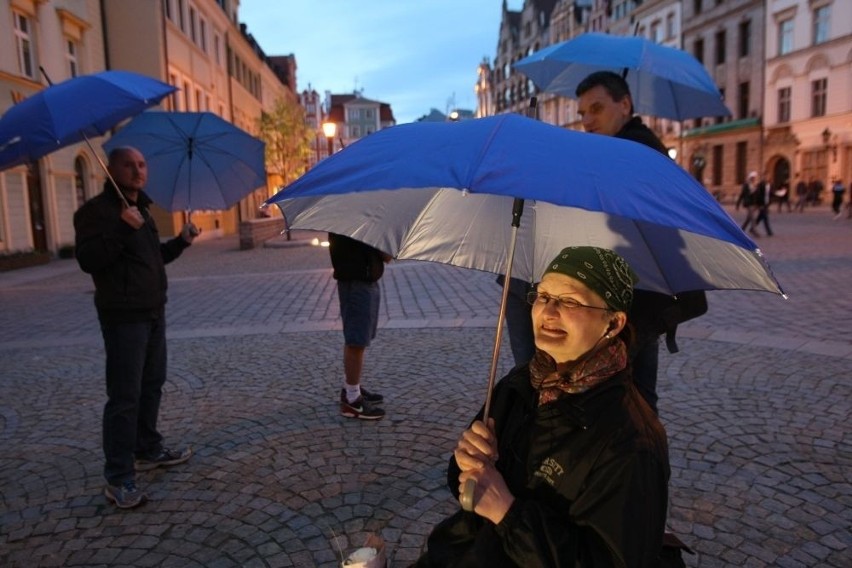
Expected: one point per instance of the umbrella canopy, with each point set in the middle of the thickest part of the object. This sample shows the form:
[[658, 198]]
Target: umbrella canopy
[[444, 192], [196, 160], [664, 81], [75, 109]]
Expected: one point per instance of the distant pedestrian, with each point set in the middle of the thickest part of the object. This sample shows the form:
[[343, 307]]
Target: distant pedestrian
[[747, 198], [814, 191], [782, 196], [357, 269], [801, 195], [764, 191], [837, 191]]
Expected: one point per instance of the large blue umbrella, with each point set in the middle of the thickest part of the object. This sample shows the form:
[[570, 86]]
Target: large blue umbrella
[[195, 160], [74, 110], [455, 192], [444, 192], [664, 81]]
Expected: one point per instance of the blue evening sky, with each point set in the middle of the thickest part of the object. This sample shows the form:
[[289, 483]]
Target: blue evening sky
[[413, 54]]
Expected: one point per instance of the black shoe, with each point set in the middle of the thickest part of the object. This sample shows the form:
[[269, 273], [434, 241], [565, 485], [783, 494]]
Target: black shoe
[[165, 458], [360, 409], [370, 397]]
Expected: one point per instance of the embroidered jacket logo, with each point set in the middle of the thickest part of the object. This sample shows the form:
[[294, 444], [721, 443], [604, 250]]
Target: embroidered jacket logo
[[549, 470]]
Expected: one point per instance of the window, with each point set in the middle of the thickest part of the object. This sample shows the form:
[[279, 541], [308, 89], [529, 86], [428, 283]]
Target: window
[[721, 119], [202, 38], [216, 49], [740, 161], [717, 164], [819, 88], [71, 57], [670, 26], [181, 21], [167, 8], [743, 100], [745, 38], [193, 18], [24, 44], [721, 38], [821, 16], [697, 6], [698, 50], [656, 32], [785, 36], [784, 101]]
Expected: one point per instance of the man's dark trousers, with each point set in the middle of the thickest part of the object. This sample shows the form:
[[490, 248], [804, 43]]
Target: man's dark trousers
[[135, 374]]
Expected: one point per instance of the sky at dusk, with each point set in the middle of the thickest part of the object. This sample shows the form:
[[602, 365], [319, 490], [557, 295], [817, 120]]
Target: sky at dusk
[[412, 54]]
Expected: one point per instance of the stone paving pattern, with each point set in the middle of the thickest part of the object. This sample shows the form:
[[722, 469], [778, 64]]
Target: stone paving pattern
[[756, 406]]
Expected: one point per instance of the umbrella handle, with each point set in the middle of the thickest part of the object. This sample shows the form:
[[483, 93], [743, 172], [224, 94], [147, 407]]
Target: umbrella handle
[[466, 495]]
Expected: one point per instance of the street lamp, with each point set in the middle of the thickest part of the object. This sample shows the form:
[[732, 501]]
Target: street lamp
[[329, 129], [826, 141]]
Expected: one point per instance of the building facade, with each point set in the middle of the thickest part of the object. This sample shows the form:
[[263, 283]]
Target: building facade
[[198, 46], [784, 68], [354, 117], [41, 42], [807, 102]]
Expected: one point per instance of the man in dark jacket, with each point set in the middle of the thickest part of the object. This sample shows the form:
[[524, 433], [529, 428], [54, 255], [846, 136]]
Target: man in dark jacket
[[118, 244], [606, 107]]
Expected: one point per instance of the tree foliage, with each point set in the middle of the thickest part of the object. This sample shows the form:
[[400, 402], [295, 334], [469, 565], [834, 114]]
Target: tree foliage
[[288, 140]]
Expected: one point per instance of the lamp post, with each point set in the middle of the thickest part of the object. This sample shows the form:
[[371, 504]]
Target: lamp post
[[329, 129]]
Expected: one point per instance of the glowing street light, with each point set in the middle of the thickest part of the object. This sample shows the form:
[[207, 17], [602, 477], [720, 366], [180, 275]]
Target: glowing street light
[[329, 129]]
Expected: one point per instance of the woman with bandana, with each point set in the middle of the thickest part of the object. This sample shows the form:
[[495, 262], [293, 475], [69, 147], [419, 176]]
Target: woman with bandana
[[571, 468]]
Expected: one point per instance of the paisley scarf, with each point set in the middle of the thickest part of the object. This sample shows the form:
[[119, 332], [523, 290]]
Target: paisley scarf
[[552, 379]]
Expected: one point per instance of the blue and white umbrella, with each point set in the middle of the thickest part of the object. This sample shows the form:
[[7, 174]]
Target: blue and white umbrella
[[664, 81], [444, 192]]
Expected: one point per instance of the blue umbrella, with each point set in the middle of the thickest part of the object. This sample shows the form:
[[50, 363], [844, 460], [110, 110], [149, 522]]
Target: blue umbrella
[[664, 81], [72, 111], [444, 192], [196, 160]]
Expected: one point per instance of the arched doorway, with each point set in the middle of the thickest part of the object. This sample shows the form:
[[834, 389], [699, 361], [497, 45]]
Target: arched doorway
[[780, 172]]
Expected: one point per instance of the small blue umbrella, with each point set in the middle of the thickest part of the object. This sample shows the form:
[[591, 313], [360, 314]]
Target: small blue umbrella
[[74, 110], [664, 81], [196, 160]]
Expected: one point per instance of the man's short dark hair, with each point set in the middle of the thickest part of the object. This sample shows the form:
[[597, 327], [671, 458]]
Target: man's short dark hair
[[613, 83]]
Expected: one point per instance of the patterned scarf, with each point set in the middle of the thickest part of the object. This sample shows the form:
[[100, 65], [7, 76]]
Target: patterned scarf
[[552, 379]]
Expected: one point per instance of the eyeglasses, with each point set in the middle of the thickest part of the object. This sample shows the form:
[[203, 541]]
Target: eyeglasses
[[565, 302]]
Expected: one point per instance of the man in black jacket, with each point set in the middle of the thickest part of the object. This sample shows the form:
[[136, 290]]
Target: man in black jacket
[[606, 107], [118, 244]]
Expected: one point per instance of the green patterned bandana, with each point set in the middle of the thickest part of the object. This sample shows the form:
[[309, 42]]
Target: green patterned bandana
[[602, 270]]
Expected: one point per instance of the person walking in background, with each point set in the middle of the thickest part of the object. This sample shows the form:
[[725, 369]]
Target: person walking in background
[[837, 191], [782, 196], [762, 200], [357, 268], [747, 198], [801, 195], [118, 244]]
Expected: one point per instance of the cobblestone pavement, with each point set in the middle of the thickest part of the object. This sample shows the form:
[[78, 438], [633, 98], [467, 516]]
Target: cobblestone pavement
[[756, 406]]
